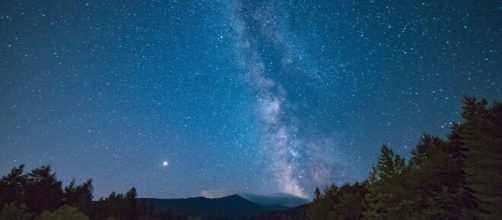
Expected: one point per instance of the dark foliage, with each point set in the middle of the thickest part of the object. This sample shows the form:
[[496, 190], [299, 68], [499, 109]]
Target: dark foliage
[[39, 191], [345, 202], [297, 213], [120, 206], [456, 178]]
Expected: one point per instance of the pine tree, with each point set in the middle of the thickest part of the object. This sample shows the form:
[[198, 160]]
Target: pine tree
[[388, 196], [435, 171], [12, 186], [320, 207], [317, 194], [43, 191], [349, 202], [12, 211], [481, 134], [79, 196]]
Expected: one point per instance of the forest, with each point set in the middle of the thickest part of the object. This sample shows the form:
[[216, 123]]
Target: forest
[[456, 177]]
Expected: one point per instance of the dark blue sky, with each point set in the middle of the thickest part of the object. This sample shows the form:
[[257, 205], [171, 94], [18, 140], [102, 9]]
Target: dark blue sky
[[237, 96]]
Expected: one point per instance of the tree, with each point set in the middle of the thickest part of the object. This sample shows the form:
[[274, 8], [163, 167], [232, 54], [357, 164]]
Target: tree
[[320, 207], [388, 196], [317, 194], [442, 205], [456, 178], [63, 213], [133, 208], [12, 211], [481, 134], [79, 196], [349, 202], [436, 178], [12, 186], [345, 202], [120, 206], [43, 190]]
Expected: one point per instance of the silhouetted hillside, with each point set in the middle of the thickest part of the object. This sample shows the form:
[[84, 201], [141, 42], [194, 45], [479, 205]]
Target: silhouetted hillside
[[279, 200], [230, 206]]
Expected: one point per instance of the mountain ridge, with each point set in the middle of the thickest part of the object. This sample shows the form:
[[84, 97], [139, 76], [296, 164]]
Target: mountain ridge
[[231, 206]]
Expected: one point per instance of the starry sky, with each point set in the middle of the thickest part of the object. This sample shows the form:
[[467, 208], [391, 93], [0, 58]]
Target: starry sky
[[183, 98]]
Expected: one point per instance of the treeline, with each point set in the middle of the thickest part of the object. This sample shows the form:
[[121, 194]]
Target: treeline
[[40, 195], [458, 177]]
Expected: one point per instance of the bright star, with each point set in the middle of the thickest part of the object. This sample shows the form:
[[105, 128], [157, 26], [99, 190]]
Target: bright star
[[165, 163]]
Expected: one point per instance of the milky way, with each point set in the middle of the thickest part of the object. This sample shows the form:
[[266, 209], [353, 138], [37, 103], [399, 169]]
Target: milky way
[[261, 29]]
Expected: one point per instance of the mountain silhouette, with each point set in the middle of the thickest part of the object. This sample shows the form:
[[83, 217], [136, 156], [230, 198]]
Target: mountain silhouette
[[277, 199], [233, 206]]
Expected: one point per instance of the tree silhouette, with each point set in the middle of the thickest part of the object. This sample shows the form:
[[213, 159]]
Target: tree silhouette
[[12, 186], [12, 211], [39, 191], [388, 195], [63, 213], [456, 178], [481, 134], [120, 206], [79, 196], [43, 190]]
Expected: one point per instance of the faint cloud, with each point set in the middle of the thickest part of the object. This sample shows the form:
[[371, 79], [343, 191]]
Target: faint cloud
[[217, 193]]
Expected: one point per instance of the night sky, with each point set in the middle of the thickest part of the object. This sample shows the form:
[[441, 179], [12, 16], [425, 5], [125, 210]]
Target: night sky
[[184, 98]]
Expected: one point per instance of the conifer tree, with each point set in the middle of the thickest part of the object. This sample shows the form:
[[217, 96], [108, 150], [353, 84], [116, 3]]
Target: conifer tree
[[43, 190], [388, 196], [79, 196], [481, 134], [12, 211]]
